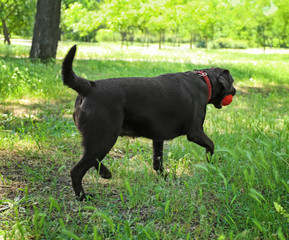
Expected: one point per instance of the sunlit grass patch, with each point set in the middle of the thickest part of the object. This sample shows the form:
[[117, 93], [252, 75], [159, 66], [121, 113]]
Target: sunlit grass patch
[[21, 78]]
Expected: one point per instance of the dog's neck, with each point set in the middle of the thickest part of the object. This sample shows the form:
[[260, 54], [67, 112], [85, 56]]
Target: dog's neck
[[208, 82]]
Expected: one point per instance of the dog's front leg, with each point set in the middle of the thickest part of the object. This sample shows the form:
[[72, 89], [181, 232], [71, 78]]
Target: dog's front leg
[[158, 146], [200, 138], [102, 169]]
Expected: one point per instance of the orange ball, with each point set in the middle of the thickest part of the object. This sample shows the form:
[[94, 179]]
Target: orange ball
[[227, 100]]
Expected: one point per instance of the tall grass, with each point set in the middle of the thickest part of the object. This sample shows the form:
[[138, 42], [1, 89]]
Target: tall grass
[[243, 194]]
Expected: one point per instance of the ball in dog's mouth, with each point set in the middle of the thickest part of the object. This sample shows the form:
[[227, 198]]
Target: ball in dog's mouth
[[227, 100]]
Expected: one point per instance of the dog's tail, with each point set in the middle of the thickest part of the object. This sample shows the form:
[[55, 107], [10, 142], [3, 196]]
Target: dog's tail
[[70, 79]]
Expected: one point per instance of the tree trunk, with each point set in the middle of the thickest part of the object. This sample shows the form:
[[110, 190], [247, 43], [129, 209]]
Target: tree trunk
[[5, 32], [144, 39], [123, 38], [191, 41], [264, 40], [147, 38], [164, 37], [46, 29], [160, 40], [131, 37]]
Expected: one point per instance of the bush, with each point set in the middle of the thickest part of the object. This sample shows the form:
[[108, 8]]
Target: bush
[[228, 43], [201, 44], [107, 35]]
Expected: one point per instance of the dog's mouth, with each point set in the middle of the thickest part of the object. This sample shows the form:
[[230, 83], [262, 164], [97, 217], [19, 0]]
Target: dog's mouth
[[219, 103]]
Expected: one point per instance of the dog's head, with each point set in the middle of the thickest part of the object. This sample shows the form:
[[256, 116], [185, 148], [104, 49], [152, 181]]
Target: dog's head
[[222, 83]]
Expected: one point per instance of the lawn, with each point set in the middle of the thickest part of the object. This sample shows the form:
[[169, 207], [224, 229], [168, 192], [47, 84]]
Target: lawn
[[243, 194]]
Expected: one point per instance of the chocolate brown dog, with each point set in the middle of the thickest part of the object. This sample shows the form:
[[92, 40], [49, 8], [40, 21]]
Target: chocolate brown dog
[[159, 108]]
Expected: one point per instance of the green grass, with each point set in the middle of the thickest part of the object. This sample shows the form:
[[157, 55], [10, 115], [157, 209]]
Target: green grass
[[244, 194]]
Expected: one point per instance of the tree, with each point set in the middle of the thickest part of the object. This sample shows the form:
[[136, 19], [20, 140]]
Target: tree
[[160, 21], [16, 17], [121, 16], [88, 4], [239, 21], [81, 21], [281, 22], [46, 29], [191, 17], [263, 22]]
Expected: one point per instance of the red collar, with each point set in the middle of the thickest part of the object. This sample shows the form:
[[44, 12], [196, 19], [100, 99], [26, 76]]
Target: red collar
[[205, 76]]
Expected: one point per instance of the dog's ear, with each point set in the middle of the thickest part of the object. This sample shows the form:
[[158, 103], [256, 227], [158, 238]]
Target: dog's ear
[[224, 77]]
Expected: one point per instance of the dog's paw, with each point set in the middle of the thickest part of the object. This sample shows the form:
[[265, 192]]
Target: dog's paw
[[85, 197], [106, 175], [213, 159], [104, 172], [163, 174]]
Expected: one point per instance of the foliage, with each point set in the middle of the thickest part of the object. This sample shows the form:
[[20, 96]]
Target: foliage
[[259, 22], [228, 43], [18, 15], [263, 22], [80, 21], [243, 194]]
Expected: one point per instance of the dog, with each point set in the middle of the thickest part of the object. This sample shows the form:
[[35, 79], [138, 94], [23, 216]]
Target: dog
[[159, 108]]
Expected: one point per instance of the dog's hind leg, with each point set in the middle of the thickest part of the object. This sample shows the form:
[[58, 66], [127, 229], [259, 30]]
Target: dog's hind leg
[[158, 146], [95, 149], [78, 171]]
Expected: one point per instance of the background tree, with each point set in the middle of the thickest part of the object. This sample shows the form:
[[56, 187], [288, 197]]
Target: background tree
[[210, 16], [263, 13], [144, 17], [228, 23], [121, 16], [46, 29], [190, 18], [160, 20], [175, 20], [16, 17], [88, 4], [281, 23], [81, 21], [238, 22], [211, 23]]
